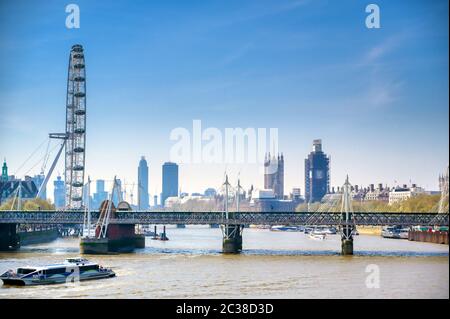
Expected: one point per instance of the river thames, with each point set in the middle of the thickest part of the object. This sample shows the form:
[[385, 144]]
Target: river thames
[[272, 265]]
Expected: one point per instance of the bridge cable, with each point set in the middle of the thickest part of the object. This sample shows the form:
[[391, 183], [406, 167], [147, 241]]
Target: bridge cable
[[30, 156]]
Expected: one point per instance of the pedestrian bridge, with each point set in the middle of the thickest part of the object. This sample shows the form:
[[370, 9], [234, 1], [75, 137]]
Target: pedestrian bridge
[[241, 218]]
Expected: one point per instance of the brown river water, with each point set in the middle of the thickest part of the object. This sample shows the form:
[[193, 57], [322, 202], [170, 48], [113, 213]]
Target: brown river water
[[272, 265]]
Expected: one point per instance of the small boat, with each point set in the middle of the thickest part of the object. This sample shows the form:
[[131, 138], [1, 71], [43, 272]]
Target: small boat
[[148, 232], [287, 228], [394, 232], [388, 232], [325, 230], [161, 236], [73, 269], [317, 236], [403, 233]]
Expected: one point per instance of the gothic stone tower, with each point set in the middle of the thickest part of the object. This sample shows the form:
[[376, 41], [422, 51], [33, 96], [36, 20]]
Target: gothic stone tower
[[274, 174]]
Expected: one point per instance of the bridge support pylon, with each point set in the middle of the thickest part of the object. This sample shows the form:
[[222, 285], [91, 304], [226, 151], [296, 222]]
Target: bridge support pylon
[[347, 227], [232, 239], [347, 240], [9, 239], [232, 233]]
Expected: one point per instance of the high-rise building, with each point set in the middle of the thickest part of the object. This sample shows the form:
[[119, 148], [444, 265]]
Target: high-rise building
[[100, 195], [38, 181], [117, 196], [143, 197], [169, 181], [59, 193], [274, 175], [317, 173]]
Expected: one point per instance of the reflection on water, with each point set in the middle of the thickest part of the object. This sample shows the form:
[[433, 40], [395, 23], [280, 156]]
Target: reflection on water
[[272, 265]]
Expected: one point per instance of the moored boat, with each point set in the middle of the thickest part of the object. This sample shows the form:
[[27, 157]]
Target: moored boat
[[287, 228], [325, 230], [317, 235], [395, 232], [403, 233]]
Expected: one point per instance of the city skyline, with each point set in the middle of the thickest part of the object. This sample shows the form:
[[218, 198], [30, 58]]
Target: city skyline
[[391, 83]]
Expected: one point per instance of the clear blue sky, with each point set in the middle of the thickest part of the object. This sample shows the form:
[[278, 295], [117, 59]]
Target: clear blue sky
[[377, 98]]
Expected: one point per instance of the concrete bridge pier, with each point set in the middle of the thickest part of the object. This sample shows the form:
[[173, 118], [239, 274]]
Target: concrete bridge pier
[[9, 239], [347, 247], [232, 239], [347, 240]]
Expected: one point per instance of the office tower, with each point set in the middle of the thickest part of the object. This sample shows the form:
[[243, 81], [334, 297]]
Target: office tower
[[169, 181], [155, 200], [100, 186], [38, 181], [274, 175], [59, 193], [117, 195], [317, 173], [143, 197], [100, 195]]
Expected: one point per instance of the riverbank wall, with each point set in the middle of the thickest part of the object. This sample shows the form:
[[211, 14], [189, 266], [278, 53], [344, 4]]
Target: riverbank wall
[[437, 237]]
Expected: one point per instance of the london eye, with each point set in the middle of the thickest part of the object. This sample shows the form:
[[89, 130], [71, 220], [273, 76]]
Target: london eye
[[75, 128]]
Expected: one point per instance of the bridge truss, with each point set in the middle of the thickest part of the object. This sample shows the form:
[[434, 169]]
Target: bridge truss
[[205, 218]]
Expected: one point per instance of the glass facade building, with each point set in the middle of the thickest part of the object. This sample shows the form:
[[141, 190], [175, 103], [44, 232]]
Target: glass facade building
[[169, 181]]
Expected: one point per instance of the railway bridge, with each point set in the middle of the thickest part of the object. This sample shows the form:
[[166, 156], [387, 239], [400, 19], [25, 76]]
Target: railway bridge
[[232, 225]]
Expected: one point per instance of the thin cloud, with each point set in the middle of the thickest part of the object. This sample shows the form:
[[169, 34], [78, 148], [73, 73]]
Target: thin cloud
[[250, 14], [237, 54], [381, 50]]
